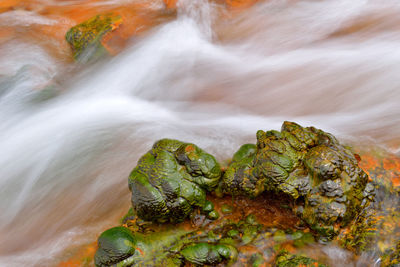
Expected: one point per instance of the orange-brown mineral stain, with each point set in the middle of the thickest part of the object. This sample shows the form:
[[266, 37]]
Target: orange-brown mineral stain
[[268, 209], [189, 148], [170, 3], [82, 257], [136, 17], [381, 165], [6, 33], [241, 3]]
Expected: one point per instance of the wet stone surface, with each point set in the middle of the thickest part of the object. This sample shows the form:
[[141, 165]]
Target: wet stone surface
[[292, 189]]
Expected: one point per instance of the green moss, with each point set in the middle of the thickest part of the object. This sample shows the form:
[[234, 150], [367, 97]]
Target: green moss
[[256, 260], [115, 245], [172, 245], [309, 167], [280, 236], [226, 209], [209, 254], [213, 215], [171, 180], [245, 151], [303, 163], [301, 239], [85, 38], [285, 259], [391, 257]]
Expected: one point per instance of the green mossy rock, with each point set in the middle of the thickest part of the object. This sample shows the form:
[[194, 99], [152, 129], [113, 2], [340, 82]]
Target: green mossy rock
[[172, 245], [85, 38], [391, 258], [171, 180], [209, 254], [121, 247], [115, 245], [310, 166], [285, 259], [318, 178], [376, 230]]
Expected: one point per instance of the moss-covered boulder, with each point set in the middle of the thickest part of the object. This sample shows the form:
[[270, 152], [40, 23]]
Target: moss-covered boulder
[[177, 245], [119, 246], [307, 164], [115, 245], [298, 170], [86, 38], [171, 180]]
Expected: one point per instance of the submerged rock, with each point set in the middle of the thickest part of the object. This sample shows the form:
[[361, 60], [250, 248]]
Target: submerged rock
[[171, 180], [307, 164], [285, 259], [85, 38]]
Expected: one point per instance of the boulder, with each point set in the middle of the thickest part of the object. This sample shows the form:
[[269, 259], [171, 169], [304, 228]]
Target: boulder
[[309, 165], [86, 38], [171, 180]]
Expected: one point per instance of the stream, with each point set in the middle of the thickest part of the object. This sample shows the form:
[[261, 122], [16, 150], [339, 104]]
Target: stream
[[210, 74]]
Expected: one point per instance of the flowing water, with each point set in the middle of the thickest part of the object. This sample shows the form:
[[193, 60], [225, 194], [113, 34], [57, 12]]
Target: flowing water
[[212, 75]]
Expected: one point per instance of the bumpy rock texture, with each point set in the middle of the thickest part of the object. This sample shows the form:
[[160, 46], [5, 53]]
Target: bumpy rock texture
[[115, 245], [171, 180], [285, 259], [306, 169], [170, 246], [85, 38], [307, 164], [209, 254], [376, 230]]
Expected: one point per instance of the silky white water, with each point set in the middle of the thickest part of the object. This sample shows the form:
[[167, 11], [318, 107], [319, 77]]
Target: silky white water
[[70, 135]]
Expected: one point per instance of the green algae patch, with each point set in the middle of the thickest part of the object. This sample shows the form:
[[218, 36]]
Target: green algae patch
[[306, 164], [169, 244], [115, 245], [172, 180], [209, 254], [226, 209], [120, 246], [285, 259], [86, 38]]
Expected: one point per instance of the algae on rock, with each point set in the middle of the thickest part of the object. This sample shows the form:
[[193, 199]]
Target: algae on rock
[[171, 180], [307, 164], [85, 38], [285, 259], [320, 176]]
